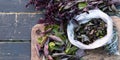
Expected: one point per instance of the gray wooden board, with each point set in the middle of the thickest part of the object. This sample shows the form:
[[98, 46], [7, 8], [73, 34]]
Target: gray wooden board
[[14, 51], [12, 29], [15, 6]]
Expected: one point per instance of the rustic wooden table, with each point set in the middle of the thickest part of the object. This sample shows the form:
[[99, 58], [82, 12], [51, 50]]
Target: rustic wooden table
[[16, 22]]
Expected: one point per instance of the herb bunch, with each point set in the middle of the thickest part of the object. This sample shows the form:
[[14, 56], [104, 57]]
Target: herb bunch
[[61, 11]]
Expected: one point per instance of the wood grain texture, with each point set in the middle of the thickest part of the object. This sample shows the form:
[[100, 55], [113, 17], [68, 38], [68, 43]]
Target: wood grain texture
[[34, 38], [14, 51]]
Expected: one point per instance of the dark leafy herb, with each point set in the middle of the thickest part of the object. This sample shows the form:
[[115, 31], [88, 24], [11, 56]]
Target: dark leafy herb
[[91, 31], [61, 11]]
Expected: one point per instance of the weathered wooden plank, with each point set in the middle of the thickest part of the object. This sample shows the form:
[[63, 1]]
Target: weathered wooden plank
[[24, 24], [17, 26], [6, 26], [7, 20], [14, 51], [15, 6]]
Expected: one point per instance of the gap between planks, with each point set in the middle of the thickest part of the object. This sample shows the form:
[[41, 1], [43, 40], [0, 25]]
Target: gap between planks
[[21, 13], [15, 41]]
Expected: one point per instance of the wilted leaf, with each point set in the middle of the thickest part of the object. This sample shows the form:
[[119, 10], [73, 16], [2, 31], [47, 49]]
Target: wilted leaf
[[55, 38], [46, 52], [57, 48], [37, 50], [82, 5], [51, 46], [71, 50], [47, 27], [70, 4], [50, 57], [114, 8], [42, 40], [59, 43]]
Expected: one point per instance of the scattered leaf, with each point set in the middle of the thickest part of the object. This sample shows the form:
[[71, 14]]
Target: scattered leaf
[[82, 5], [55, 38], [51, 46], [46, 52], [50, 57], [42, 40]]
